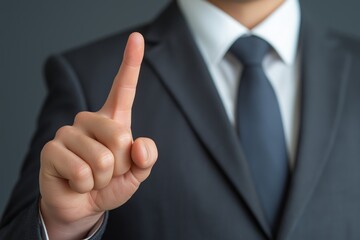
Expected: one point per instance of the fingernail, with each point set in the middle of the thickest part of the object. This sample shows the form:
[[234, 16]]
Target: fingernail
[[145, 152]]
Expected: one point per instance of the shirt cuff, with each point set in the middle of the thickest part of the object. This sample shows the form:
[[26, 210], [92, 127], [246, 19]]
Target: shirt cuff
[[91, 233]]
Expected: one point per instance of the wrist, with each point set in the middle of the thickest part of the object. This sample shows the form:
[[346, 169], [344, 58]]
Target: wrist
[[58, 228]]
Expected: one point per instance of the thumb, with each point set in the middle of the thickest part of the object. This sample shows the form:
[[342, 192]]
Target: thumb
[[144, 155]]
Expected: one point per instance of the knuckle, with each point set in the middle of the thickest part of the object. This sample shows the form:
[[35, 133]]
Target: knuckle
[[122, 139], [82, 173], [105, 161], [64, 131], [82, 117], [47, 149]]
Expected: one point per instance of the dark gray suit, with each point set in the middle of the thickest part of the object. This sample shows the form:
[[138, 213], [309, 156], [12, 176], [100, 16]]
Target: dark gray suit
[[201, 187]]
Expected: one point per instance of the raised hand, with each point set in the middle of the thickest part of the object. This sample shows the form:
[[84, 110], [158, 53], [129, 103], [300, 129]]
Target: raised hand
[[95, 165]]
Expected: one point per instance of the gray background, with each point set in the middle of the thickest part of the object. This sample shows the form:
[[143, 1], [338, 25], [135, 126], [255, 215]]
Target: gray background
[[31, 30]]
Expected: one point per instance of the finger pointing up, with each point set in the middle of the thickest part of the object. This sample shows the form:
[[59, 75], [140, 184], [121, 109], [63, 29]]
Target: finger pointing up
[[121, 97]]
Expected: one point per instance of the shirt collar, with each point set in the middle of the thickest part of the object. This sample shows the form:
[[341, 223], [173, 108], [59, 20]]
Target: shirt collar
[[215, 31]]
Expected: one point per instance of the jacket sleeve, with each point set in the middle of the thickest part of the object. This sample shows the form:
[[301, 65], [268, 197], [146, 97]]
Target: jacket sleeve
[[64, 100]]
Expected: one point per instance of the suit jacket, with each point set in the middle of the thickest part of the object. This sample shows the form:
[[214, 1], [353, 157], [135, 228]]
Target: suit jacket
[[201, 187]]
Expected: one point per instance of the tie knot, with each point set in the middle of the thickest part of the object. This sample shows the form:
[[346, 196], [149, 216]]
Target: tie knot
[[250, 51]]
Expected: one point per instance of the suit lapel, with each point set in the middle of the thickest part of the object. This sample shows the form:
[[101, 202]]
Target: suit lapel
[[324, 77], [174, 56]]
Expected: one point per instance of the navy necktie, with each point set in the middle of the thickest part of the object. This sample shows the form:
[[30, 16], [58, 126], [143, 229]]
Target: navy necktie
[[260, 127]]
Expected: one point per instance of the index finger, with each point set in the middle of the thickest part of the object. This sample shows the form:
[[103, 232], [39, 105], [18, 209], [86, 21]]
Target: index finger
[[121, 97]]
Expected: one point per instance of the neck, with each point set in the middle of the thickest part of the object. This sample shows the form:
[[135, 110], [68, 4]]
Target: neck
[[248, 12]]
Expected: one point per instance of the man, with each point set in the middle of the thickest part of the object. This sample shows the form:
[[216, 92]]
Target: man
[[253, 112]]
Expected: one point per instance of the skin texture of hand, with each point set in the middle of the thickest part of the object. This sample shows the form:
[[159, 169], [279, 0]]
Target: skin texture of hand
[[95, 165]]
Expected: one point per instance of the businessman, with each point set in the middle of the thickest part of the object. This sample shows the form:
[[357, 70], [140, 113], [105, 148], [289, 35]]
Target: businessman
[[251, 106]]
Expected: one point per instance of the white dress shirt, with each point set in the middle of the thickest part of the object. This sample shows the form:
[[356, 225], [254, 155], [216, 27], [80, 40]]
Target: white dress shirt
[[215, 32]]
